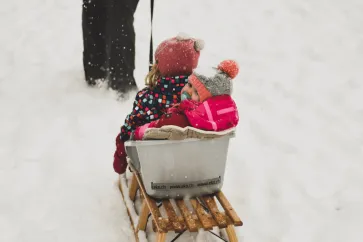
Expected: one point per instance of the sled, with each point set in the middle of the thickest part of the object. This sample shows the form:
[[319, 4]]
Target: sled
[[203, 215], [188, 193]]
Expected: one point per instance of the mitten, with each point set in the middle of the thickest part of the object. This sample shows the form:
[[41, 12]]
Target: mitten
[[138, 134], [120, 161]]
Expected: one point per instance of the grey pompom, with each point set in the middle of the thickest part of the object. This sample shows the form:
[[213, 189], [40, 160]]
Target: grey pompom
[[199, 44]]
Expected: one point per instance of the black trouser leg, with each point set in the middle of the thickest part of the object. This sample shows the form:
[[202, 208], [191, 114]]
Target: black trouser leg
[[94, 20], [121, 44]]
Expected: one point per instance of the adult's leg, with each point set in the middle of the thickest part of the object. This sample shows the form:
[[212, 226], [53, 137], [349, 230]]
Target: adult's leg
[[94, 18], [121, 47]]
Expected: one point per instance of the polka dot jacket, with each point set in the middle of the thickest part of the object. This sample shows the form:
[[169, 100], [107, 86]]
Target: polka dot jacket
[[149, 104]]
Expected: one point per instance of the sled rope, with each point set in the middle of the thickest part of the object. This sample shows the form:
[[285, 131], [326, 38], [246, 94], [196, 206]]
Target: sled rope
[[217, 236], [151, 37], [203, 205], [176, 237]]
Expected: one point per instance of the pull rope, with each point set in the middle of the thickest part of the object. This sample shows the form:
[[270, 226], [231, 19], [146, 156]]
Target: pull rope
[[151, 59]]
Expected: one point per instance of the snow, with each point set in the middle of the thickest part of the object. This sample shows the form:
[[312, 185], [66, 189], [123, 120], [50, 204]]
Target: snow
[[295, 170]]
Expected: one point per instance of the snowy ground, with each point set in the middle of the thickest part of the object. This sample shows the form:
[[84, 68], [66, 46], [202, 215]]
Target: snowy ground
[[295, 171]]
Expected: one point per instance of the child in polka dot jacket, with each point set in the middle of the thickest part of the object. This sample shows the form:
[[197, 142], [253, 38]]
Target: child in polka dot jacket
[[175, 60]]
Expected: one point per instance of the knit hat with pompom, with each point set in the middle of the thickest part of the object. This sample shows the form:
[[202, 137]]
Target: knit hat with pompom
[[178, 55], [219, 84]]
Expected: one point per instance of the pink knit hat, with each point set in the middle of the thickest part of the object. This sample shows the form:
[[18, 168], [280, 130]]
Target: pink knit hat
[[178, 55]]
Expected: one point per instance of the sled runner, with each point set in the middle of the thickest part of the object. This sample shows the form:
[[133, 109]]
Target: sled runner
[[186, 186]]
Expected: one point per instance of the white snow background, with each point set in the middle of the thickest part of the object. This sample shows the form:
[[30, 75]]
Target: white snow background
[[295, 169]]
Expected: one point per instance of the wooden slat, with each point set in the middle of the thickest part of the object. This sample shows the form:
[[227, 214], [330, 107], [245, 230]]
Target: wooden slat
[[232, 236], [190, 222], [143, 217], [133, 187], [198, 225], [206, 221], [173, 218], [160, 237], [217, 215], [169, 226], [228, 209], [155, 213], [154, 210]]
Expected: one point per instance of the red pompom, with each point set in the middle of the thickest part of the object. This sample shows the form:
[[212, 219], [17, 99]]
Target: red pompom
[[230, 67]]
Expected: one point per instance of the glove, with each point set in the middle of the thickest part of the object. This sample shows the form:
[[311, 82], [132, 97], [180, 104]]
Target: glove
[[119, 161]]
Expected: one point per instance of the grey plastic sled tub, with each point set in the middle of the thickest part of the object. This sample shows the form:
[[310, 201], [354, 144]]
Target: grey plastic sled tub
[[183, 168]]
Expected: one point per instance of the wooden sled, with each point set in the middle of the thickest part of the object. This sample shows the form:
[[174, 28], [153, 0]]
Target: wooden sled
[[202, 214]]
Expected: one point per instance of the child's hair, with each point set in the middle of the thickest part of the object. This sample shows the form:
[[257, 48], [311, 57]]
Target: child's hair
[[153, 76]]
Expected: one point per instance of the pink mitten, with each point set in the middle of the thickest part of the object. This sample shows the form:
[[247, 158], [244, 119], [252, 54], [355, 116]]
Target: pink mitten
[[140, 131]]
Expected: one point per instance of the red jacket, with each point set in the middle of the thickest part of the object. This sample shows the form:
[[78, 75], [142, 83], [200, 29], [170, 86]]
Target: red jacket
[[217, 113]]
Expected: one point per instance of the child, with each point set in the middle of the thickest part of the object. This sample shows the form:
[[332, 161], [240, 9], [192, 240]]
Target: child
[[206, 103], [175, 60]]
